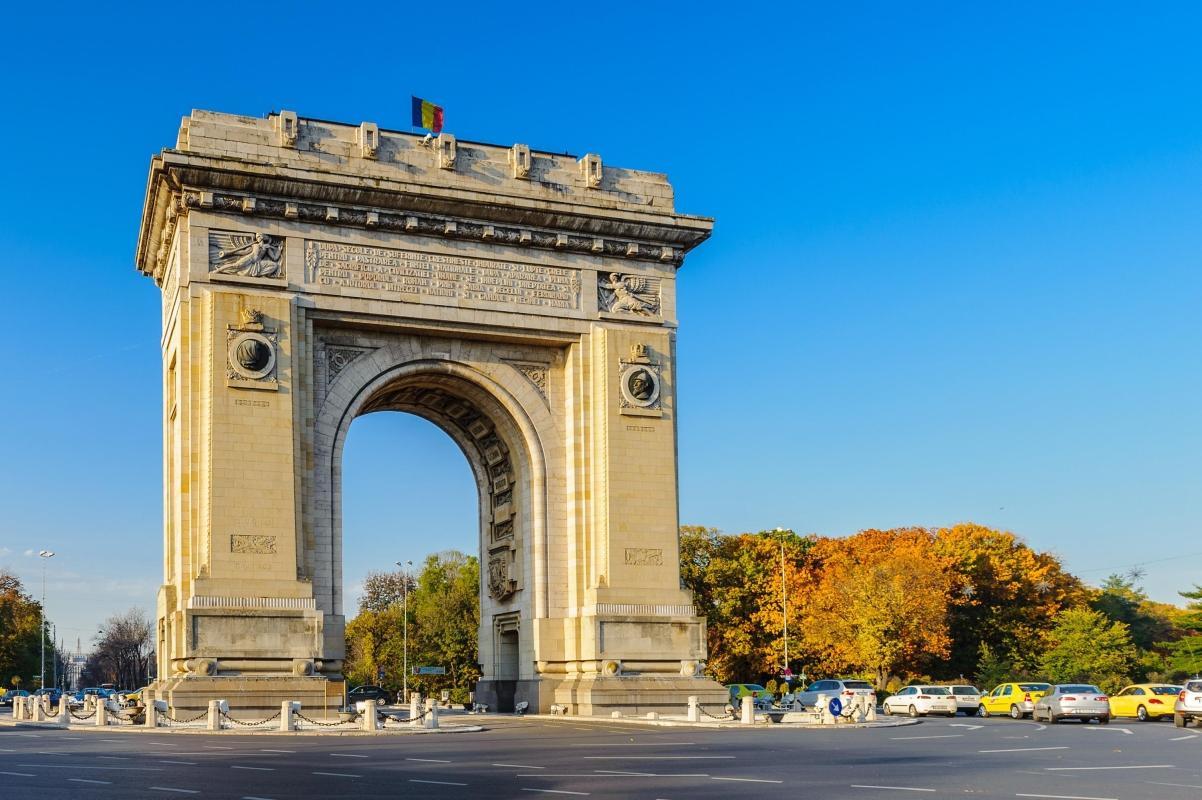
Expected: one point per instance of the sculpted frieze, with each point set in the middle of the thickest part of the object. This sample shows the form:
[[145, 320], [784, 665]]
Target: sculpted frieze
[[250, 255]]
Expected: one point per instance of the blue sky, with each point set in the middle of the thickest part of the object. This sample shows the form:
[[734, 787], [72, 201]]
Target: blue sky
[[954, 275]]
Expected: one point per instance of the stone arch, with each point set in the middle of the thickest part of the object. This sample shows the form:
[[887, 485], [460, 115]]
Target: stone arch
[[499, 422]]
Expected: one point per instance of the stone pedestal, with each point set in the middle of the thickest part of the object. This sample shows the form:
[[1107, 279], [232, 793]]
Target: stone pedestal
[[635, 694], [251, 697]]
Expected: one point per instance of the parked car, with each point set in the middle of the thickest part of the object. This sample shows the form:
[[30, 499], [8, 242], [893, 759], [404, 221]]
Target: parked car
[[763, 697], [918, 701], [53, 693], [1072, 701], [1144, 701], [968, 698], [1189, 703], [1015, 699], [376, 693], [844, 688], [12, 694]]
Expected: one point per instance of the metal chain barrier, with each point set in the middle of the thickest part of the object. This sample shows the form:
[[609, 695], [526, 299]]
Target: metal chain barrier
[[730, 713], [301, 716], [168, 718], [261, 722], [81, 716]]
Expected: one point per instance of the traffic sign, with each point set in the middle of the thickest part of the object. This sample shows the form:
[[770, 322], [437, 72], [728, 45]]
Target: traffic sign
[[835, 706], [429, 670]]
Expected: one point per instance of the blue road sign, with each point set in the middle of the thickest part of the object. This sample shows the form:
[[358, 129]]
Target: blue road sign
[[835, 706]]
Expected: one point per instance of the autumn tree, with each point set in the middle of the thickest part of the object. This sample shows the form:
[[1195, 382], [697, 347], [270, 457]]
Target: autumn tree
[[1087, 647], [880, 603], [20, 623], [123, 653]]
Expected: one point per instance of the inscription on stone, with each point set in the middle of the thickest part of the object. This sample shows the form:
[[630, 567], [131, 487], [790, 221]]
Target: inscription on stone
[[253, 403], [644, 557], [434, 275], [252, 543]]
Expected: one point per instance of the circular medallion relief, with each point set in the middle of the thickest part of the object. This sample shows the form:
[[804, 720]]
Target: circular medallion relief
[[640, 385], [252, 355]]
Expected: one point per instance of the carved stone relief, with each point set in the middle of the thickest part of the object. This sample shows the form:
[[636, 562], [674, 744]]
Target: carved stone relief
[[639, 383], [620, 293], [536, 374], [644, 557], [500, 585], [251, 255], [339, 357], [251, 353], [252, 543]]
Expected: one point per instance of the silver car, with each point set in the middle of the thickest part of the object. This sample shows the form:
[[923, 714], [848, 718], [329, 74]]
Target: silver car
[[845, 690], [968, 698], [1073, 701]]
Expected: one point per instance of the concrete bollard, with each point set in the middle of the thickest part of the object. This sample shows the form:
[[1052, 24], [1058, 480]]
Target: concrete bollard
[[287, 709], [652, 715], [102, 714], [18, 708], [432, 719], [214, 715], [748, 717], [150, 715], [38, 710], [615, 714], [64, 711], [824, 708], [415, 708], [694, 709], [368, 710]]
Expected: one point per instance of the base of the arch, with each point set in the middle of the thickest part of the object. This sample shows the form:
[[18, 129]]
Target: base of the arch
[[633, 694], [250, 697]]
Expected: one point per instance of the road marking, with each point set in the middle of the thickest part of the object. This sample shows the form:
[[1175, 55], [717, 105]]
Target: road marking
[[747, 780], [1182, 785], [156, 744], [7, 750], [439, 783], [1108, 728], [519, 766], [1022, 749], [115, 758], [252, 797], [256, 769], [348, 755], [338, 774], [19, 774], [1064, 796], [597, 772], [1181, 738], [216, 747], [88, 780], [1136, 766], [116, 740], [171, 789], [88, 766], [657, 758], [189, 763], [891, 788], [940, 736], [430, 760], [557, 791], [637, 744], [264, 750]]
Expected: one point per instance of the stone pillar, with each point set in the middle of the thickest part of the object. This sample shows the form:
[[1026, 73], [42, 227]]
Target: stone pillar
[[415, 708], [694, 709], [369, 715], [64, 711], [18, 708], [287, 708], [824, 709], [102, 713], [748, 717], [432, 720], [214, 715], [37, 709], [150, 714]]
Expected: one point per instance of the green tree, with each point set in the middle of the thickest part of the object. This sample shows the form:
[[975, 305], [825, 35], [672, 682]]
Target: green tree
[[1086, 646], [20, 623]]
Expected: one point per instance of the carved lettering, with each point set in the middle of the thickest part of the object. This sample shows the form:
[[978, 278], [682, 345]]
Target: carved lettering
[[434, 275]]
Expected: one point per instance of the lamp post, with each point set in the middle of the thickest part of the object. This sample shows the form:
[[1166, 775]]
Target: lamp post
[[784, 599], [405, 625], [45, 555]]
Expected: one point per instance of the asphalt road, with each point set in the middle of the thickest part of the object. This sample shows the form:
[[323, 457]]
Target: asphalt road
[[526, 758]]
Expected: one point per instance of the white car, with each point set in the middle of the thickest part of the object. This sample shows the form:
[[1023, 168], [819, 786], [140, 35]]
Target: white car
[[1072, 701], [968, 698], [918, 701], [845, 690], [1189, 703]]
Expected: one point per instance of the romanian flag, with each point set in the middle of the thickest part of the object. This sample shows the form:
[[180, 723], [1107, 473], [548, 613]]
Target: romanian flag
[[427, 115]]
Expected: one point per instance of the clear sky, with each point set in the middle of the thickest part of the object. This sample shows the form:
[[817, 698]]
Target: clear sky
[[954, 275]]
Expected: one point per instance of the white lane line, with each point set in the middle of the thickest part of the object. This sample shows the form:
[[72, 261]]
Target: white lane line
[[623, 772], [890, 788], [156, 744], [595, 773], [1064, 796], [556, 791], [439, 783], [88, 780], [338, 774], [114, 758], [637, 744], [1135, 766], [173, 789], [1022, 749], [1182, 738], [657, 758], [19, 774], [7, 750], [117, 740], [746, 780], [519, 766], [429, 760], [256, 769], [941, 736], [1182, 785], [89, 766], [216, 747], [350, 755], [188, 763], [265, 750], [1109, 728], [252, 797]]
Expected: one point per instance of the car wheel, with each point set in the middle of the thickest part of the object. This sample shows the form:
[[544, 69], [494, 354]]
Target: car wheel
[[1053, 719], [1141, 714], [982, 712], [1104, 720], [913, 711], [1015, 713], [1179, 720], [885, 709]]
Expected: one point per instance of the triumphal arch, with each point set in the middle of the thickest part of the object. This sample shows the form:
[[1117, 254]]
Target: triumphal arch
[[523, 301]]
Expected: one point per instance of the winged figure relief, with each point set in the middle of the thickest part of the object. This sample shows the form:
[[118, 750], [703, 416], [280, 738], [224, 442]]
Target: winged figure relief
[[252, 255], [629, 293]]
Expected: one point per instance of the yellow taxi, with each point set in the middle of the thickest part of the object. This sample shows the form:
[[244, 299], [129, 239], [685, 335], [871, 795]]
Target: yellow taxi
[[1015, 699], [1144, 701]]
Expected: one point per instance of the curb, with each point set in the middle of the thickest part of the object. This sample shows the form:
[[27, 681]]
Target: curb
[[135, 730], [670, 723]]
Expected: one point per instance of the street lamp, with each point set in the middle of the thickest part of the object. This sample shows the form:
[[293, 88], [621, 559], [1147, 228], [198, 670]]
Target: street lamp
[[405, 623], [45, 555], [784, 600]]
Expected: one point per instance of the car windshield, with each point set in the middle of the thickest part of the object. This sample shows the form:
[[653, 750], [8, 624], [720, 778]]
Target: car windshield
[[1194, 686], [1165, 689], [857, 685], [964, 690], [935, 690], [1080, 688], [753, 687], [1034, 687]]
